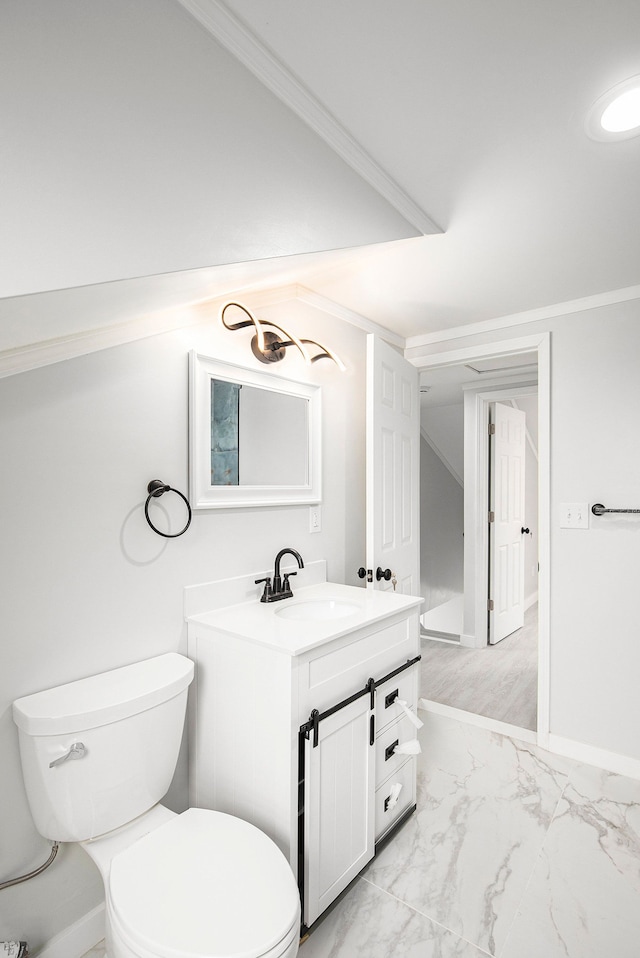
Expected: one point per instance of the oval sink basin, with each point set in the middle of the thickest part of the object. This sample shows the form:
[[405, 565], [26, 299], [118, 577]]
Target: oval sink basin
[[318, 610]]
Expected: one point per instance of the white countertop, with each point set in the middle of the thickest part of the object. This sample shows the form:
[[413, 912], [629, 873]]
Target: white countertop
[[260, 622]]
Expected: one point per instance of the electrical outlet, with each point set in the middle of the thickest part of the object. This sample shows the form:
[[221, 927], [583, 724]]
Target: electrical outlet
[[315, 519], [574, 515]]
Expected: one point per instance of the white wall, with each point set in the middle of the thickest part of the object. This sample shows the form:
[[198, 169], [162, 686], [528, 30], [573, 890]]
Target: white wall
[[133, 144], [444, 425], [87, 586], [441, 530], [595, 398]]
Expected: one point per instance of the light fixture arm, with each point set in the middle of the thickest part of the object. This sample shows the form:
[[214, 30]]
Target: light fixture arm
[[252, 321]]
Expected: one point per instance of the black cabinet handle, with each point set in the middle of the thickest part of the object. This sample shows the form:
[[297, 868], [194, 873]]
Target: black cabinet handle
[[389, 750], [390, 698]]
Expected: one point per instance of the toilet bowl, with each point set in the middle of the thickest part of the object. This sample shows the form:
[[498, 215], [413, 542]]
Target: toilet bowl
[[199, 883], [97, 756]]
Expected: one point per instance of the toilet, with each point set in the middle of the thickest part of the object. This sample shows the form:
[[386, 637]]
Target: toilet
[[97, 756]]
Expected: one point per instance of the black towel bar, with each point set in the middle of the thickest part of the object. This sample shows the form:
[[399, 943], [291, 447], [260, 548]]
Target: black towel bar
[[599, 510]]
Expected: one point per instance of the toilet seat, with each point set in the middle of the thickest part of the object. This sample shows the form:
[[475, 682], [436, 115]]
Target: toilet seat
[[204, 884]]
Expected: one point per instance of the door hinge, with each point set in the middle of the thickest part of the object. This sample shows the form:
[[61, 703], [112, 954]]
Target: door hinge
[[492, 517], [492, 428], [490, 605]]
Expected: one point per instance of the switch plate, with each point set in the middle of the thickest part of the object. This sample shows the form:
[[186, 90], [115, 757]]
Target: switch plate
[[574, 515], [315, 519]]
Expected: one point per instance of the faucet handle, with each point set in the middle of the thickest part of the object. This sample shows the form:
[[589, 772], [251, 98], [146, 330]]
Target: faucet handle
[[267, 588], [286, 588]]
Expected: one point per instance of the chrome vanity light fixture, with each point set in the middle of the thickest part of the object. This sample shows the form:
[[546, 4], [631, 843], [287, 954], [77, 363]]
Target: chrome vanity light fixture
[[270, 347]]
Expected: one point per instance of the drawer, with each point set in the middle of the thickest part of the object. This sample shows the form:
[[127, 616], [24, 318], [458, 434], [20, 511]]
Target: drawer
[[403, 686], [387, 761], [404, 776]]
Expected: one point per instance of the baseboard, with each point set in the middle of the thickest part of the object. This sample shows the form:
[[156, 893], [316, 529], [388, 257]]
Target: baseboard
[[77, 939], [468, 641], [579, 751], [480, 721], [530, 600], [590, 755]]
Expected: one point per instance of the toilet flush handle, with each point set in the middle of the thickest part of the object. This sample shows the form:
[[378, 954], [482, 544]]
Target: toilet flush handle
[[77, 750]]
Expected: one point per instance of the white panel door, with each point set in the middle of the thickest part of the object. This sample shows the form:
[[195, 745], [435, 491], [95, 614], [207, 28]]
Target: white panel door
[[393, 463], [506, 542], [340, 811]]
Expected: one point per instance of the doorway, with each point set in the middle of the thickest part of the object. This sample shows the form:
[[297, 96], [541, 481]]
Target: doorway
[[506, 684]]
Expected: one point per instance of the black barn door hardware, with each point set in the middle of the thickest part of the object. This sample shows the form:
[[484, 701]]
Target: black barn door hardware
[[316, 717], [311, 726]]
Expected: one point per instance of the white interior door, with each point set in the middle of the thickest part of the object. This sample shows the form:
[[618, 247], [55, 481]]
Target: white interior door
[[393, 463], [506, 536]]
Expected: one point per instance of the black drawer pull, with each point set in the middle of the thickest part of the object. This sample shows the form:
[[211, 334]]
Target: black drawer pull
[[389, 750], [390, 698]]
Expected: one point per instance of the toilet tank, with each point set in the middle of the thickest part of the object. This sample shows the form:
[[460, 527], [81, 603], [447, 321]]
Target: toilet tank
[[126, 726]]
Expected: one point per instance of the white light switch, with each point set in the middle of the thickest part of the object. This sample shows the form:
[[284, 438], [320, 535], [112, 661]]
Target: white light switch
[[574, 515], [315, 519]]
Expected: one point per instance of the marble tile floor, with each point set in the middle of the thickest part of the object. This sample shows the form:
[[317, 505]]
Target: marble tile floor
[[513, 852], [499, 681]]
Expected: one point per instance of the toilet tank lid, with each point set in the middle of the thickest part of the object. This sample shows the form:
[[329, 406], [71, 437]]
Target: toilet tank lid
[[104, 698]]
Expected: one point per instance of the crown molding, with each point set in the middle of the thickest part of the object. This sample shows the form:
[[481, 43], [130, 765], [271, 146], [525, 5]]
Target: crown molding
[[21, 359], [584, 304], [348, 316], [49, 351], [236, 37]]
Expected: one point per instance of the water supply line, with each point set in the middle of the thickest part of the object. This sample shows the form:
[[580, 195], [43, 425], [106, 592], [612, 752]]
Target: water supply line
[[36, 871]]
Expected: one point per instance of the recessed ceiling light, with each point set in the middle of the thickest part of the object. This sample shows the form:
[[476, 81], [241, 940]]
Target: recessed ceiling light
[[616, 114]]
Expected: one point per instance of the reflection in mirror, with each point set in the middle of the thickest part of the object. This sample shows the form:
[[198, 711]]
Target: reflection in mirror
[[254, 438], [243, 451]]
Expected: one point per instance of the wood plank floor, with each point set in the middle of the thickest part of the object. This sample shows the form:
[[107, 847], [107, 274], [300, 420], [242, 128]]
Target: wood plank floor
[[499, 681]]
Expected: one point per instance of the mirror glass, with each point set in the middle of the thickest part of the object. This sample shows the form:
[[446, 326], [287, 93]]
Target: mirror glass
[[254, 438], [243, 452]]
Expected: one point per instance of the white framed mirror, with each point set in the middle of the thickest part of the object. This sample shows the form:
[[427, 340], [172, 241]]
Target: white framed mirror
[[254, 438]]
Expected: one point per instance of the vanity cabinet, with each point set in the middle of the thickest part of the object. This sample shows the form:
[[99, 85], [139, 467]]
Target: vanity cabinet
[[298, 738]]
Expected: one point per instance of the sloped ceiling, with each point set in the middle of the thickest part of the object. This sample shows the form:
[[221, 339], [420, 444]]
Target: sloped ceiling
[[477, 111], [137, 145], [134, 145]]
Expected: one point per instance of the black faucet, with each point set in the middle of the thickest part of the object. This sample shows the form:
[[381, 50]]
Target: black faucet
[[281, 588]]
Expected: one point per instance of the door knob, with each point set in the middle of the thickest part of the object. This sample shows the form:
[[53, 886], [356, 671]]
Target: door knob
[[383, 574], [362, 572], [525, 532]]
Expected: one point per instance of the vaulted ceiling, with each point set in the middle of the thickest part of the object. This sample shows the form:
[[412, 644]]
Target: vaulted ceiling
[[466, 118], [477, 111]]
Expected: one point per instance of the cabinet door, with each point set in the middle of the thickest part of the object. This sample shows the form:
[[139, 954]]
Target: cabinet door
[[340, 811]]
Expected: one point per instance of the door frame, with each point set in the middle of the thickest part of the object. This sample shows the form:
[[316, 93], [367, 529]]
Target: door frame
[[541, 344]]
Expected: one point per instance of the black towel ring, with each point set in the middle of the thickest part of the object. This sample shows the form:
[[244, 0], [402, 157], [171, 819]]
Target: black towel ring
[[157, 488]]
